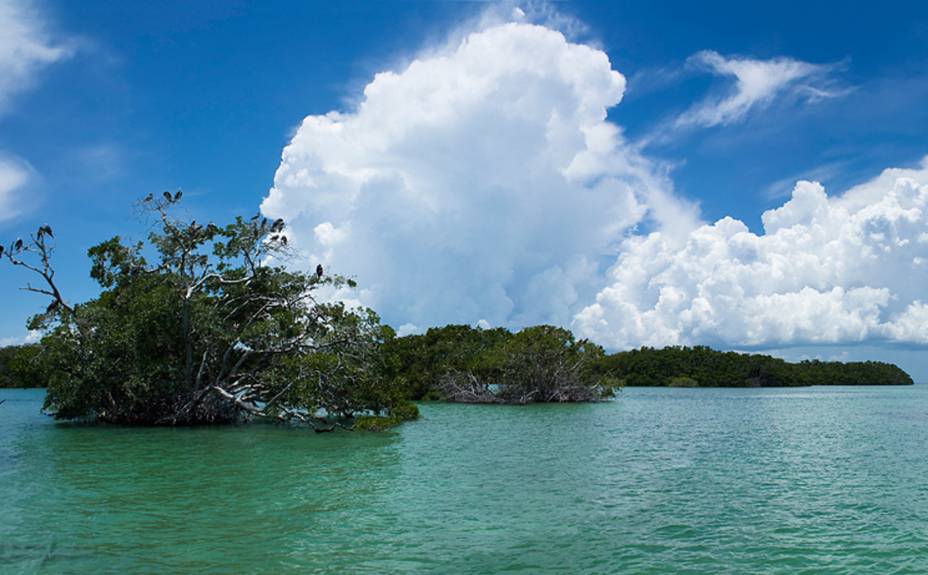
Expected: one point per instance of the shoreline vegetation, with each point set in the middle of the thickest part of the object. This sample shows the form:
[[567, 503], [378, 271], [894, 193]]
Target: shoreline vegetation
[[205, 324], [460, 363], [674, 366], [701, 366]]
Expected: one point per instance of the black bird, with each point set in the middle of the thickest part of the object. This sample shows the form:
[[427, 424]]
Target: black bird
[[167, 196], [52, 307], [18, 245], [178, 195], [319, 271], [46, 230], [148, 198], [278, 225], [1, 251]]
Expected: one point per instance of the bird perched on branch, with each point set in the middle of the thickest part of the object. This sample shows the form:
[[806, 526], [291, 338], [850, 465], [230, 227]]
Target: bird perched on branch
[[319, 271]]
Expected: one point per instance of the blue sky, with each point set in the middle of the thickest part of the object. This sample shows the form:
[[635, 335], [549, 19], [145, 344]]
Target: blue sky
[[122, 99]]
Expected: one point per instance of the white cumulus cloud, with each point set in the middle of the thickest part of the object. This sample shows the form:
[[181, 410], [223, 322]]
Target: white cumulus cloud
[[825, 270], [481, 181], [756, 84]]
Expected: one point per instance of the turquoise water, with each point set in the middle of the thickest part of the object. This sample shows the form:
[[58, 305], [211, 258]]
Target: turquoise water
[[815, 480]]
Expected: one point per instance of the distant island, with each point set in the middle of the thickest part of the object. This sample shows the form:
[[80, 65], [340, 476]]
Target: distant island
[[702, 366]]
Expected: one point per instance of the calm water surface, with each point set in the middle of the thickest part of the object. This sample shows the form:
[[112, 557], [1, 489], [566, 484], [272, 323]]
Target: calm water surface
[[815, 480]]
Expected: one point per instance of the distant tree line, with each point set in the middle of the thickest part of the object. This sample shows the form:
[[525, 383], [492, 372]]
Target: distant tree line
[[467, 364], [425, 365], [21, 366], [702, 366]]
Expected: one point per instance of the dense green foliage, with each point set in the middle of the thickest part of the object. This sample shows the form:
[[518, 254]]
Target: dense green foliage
[[472, 365], [547, 364], [21, 366], [418, 361], [514, 364], [216, 330], [705, 367]]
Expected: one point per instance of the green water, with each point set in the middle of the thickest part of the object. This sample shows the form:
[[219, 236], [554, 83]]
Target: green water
[[817, 480]]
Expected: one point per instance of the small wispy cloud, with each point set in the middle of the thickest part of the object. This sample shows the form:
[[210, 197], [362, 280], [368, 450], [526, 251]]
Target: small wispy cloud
[[650, 80], [14, 175], [783, 187], [756, 84], [26, 46], [100, 162]]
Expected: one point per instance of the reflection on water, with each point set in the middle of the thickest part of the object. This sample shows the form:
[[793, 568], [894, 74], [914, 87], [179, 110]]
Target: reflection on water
[[760, 480]]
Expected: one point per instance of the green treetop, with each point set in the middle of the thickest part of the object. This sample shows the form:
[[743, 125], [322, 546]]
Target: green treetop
[[214, 330]]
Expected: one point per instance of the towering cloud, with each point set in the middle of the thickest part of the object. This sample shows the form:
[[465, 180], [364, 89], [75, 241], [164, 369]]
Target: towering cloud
[[825, 269], [483, 181]]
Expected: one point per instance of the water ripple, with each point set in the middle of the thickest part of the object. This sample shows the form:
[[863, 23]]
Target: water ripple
[[818, 480]]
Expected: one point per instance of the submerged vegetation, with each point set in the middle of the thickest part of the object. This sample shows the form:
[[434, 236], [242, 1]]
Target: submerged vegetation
[[204, 324]]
